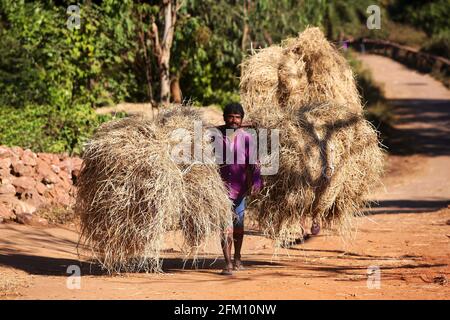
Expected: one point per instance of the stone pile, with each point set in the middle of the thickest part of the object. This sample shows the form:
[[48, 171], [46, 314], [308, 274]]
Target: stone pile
[[32, 182]]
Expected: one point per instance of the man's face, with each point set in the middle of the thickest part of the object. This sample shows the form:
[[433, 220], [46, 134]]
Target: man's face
[[233, 120]]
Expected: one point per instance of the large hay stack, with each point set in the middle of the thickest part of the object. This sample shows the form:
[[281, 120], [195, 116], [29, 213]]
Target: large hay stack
[[330, 158], [302, 71], [131, 192]]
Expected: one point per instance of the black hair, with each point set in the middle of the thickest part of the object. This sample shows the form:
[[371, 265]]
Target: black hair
[[233, 108]]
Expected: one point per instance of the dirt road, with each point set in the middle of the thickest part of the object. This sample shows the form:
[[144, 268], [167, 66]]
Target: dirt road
[[406, 238]]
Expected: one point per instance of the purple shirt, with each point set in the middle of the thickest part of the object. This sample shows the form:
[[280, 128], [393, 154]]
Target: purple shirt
[[235, 170]]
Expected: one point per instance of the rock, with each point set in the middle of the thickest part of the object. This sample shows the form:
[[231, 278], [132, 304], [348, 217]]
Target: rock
[[32, 197], [6, 213], [18, 151], [63, 156], [45, 172], [61, 197], [41, 188], [47, 157], [64, 198], [23, 212], [77, 162], [55, 168], [21, 207], [30, 219], [29, 158], [41, 222], [6, 199], [16, 205], [20, 169], [30, 181], [6, 180], [67, 165], [75, 175], [23, 183], [5, 152], [55, 160], [48, 179], [66, 181], [15, 161], [5, 173], [24, 218], [5, 163], [50, 158], [7, 189]]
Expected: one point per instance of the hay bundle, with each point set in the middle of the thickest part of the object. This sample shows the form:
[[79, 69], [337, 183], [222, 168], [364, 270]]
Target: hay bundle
[[301, 71], [131, 192], [330, 158], [259, 79], [329, 162]]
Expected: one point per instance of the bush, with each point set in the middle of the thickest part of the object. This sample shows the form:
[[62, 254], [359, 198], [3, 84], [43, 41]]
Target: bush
[[439, 44], [404, 34], [42, 128]]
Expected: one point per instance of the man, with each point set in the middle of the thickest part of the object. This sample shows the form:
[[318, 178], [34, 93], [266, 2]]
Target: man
[[241, 176]]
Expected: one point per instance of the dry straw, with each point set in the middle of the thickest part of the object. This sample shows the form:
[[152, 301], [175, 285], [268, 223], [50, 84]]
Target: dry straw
[[131, 192], [330, 157], [300, 71]]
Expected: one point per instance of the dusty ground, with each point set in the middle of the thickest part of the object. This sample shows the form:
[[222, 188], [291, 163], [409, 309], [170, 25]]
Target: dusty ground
[[407, 236]]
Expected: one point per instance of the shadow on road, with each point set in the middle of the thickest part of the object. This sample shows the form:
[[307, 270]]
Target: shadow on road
[[49, 266], [39, 265], [421, 127], [407, 206]]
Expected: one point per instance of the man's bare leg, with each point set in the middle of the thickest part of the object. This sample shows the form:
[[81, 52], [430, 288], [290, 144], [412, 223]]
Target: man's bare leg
[[227, 243], [238, 237]]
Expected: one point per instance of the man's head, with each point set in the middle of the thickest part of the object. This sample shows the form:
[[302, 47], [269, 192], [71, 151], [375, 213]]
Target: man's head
[[233, 113]]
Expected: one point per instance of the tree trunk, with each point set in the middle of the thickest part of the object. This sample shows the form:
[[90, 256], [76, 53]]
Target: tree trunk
[[147, 63], [245, 30], [267, 37], [170, 16], [161, 49], [165, 81], [175, 90]]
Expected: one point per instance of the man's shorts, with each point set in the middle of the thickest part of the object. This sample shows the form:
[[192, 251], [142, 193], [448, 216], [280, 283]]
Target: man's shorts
[[239, 213]]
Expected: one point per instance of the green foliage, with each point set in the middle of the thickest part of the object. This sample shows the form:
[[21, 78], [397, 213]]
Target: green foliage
[[342, 19], [52, 77], [403, 34], [275, 20], [431, 16], [209, 47], [47, 63], [44, 128], [206, 51], [439, 44]]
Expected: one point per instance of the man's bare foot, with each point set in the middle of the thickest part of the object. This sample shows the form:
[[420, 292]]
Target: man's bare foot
[[237, 265], [315, 228], [228, 270]]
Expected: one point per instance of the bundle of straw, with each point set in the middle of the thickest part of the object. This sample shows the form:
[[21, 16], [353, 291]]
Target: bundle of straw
[[301, 71], [131, 192], [330, 158]]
